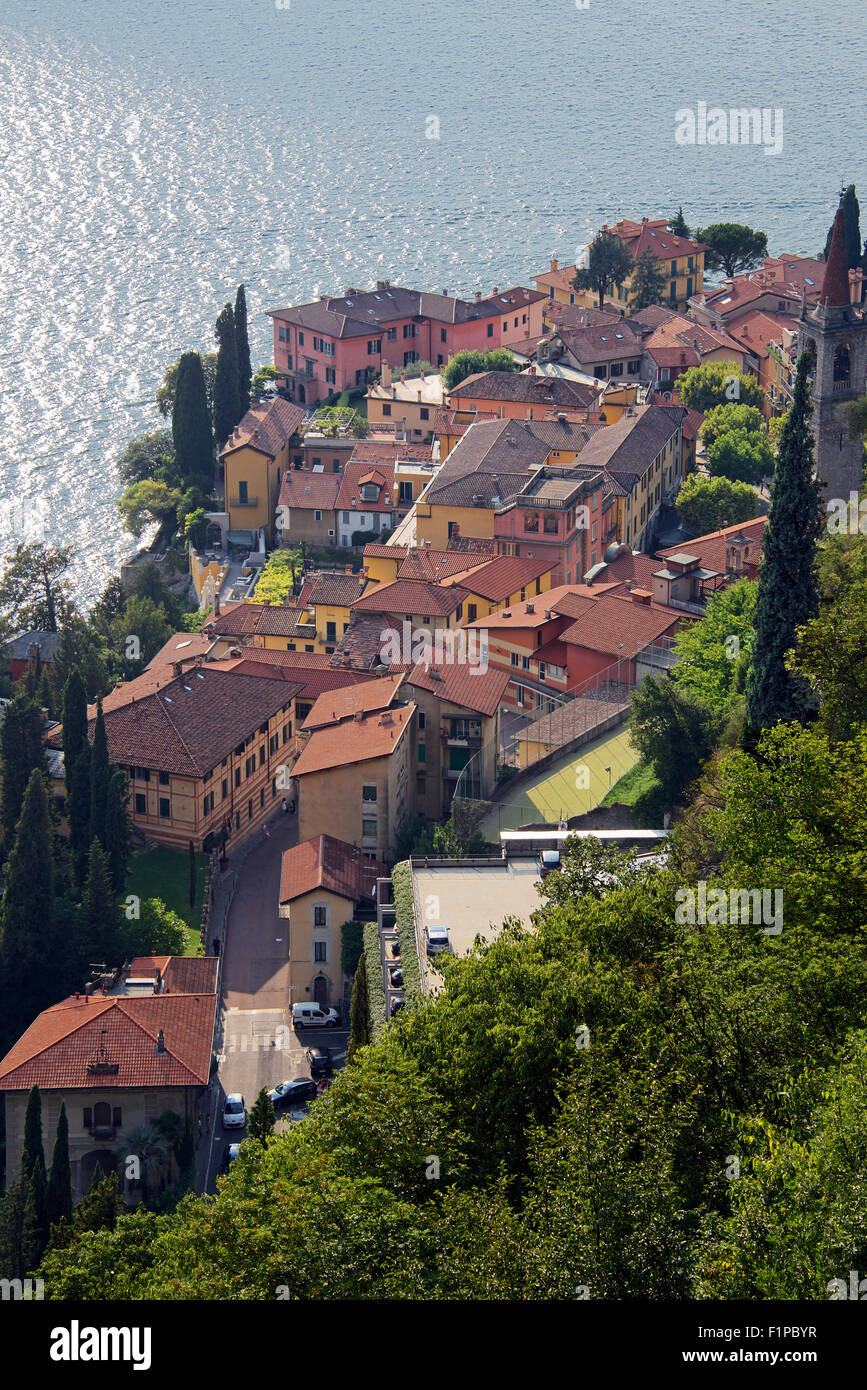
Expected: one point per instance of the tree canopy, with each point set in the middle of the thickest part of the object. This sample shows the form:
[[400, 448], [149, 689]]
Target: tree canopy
[[732, 247]]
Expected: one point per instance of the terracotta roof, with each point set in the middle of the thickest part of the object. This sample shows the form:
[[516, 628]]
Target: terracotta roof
[[361, 312], [354, 740], [444, 422], [410, 597], [380, 550], [312, 680], [334, 865], [618, 626], [266, 427], [602, 343], [194, 721], [542, 607], [238, 620], [627, 448], [349, 497], [437, 565], [189, 974], [756, 329], [650, 235], [305, 490], [462, 684], [523, 388], [181, 646], [505, 301], [339, 590], [55, 1051], [389, 451], [360, 647], [628, 565], [505, 575], [279, 620], [711, 549], [579, 315], [356, 698]]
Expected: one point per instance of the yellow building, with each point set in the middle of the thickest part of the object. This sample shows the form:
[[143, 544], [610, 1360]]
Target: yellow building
[[409, 405], [322, 883], [681, 260], [255, 459], [644, 459]]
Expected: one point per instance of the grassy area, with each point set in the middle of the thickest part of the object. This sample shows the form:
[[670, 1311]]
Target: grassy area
[[165, 873], [638, 789]]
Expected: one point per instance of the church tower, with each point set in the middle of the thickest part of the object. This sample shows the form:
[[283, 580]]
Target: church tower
[[835, 332]]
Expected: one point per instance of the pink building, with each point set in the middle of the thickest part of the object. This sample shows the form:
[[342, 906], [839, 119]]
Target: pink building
[[336, 344]]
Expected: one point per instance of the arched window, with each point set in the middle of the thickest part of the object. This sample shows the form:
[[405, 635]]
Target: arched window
[[841, 363]]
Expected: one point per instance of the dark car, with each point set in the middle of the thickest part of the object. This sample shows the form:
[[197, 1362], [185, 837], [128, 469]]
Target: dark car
[[396, 1005], [395, 975], [291, 1092], [232, 1151], [320, 1061], [395, 949]]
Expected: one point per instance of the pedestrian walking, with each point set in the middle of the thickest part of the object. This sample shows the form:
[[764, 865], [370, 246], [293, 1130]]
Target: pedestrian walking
[[284, 805], [266, 833], [291, 808], [200, 1128]]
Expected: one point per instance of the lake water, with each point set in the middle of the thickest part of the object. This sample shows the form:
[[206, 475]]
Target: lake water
[[155, 154]]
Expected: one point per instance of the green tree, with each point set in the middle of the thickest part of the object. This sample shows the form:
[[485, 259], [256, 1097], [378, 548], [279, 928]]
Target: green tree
[[262, 384], [157, 929], [674, 731], [227, 387], [351, 946], [242, 346], [732, 247], [649, 282], [722, 418], [150, 456], [145, 621], [150, 503], [100, 923], [78, 814], [74, 720], [26, 912], [359, 1010], [100, 776], [118, 828], [81, 645], [22, 753], [831, 650], [710, 652], [59, 1195], [742, 456], [677, 224], [608, 265], [191, 423], [166, 391], [32, 588], [465, 363], [192, 866], [852, 225], [706, 504], [261, 1122], [33, 1149], [717, 383], [787, 596]]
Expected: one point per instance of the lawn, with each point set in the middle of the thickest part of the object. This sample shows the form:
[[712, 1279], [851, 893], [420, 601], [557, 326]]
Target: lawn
[[638, 789], [165, 873]]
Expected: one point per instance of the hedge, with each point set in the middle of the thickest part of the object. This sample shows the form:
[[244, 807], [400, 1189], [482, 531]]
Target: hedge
[[375, 991], [351, 946], [401, 878]]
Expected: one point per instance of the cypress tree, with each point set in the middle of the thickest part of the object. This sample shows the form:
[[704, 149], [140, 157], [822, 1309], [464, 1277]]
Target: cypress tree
[[192, 874], [242, 343], [191, 423], [26, 908], [678, 224], [32, 1244], [100, 920], [117, 827], [787, 586], [39, 1185], [33, 681], [100, 776], [227, 392], [852, 224], [58, 1204], [32, 1133], [74, 720], [78, 813], [21, 752], [11, 1224], [359, 1010]]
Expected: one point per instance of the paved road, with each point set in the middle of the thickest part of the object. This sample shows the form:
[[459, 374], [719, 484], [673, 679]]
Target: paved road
[[259, 1045]]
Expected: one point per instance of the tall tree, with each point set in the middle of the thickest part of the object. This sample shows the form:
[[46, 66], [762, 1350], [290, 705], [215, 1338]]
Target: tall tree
[[227, 389], [100, 918], [242, 343], [32, 1132], [32, 589], [608, 264], [22, 752], [33, 679], [191, 423], [166, 391], [732, 247], [150, 456], [677, 224], [359, 1010], [261, 1122], [100, 776], [74, 720], [26, 942], [675, 731], [852, 225], [58, 1205], [648, 282], [78, 813], [788, 591], [118, 830]]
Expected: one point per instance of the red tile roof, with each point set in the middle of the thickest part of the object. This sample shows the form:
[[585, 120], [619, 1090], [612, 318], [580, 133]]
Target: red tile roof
[[56, 1049], [523, 388], [355, 698], [305, 490], [462, 684], [711, 549], [354, 740], [618, 626], [325, 862], [181, 646], [265, 427], [506, 575], [349, 497], [409, 597]]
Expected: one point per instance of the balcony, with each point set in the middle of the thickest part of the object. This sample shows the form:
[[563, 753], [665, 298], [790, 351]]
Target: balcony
[[243, 501]]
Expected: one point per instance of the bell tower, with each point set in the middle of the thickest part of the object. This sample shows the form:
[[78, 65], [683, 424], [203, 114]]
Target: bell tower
[[835, 332]]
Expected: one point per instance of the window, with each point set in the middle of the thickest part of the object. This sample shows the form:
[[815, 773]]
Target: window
[[208, 803], [409, 357], [549, 525], [300, 339], [374, 346], [420, 783], [320, 951], [391, 334], [368, 829], [440, 359], [424, 413], [617, 369], [405, 490], [409, 330], [331, 632], [141, 804], [525, 663], [262, 755], [330, 376], [531, 521], [672, 290], [634, 366], [421, 719], [514, 659], [165, 807], [317, 515], [281, 334], [386, 410], [368, 793], [250, 809], [490, 330], [472, 612], [237, 777], [422, 753]]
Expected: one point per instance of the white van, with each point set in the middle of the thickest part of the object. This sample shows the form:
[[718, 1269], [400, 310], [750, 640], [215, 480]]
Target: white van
[[436, 940], [310, 1015]]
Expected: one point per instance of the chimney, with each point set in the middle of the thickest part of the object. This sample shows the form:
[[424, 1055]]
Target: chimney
[[478, 296], [642, 596], [386, 373], [403, 374], [627, 584], [495, 290], [555, 264], [161, 1044], [177, 668], [530, 608]]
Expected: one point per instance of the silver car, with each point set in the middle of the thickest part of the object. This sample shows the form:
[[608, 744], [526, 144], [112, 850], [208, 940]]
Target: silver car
[[234, 1112]]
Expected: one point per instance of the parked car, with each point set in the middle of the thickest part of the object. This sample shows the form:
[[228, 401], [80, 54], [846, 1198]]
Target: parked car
[[310, 1015], [395, 949], [320, 1062], [549, 861], [291, 1092], [395, 974], [232, 1151], [234, 1112], [396, 1005], [436, 939]]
